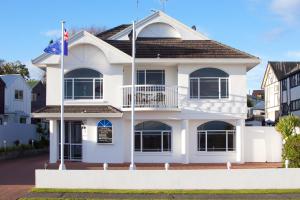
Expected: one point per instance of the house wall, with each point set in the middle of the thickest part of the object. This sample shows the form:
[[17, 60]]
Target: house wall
[[87, 56], [235, 106], [16, 108]]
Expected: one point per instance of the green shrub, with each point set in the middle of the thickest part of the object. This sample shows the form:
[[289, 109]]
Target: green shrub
[[291, 151]]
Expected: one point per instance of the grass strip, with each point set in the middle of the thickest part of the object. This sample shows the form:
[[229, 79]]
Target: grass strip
[[113, 191]]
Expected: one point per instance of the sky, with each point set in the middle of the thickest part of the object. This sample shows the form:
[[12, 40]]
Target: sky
[[269, 29]]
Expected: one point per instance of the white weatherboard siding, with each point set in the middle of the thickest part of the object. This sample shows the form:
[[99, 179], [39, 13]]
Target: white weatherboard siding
[[172, 179]]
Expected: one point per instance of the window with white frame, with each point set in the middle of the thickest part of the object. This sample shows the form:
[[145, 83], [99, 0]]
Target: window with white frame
[[150, 77], [19, 94], [216, 136], [104, 132], [153, 136], [209, 83], [83, 84]]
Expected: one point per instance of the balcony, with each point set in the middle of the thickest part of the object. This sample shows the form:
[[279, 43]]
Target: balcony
[[151, 96]]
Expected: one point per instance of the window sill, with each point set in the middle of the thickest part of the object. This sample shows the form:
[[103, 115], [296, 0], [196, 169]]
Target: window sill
[[84, 101], [220, 153], [153, 153]]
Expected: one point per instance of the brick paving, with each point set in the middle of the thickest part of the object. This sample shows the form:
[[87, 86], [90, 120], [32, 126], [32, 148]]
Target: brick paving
[[17, 176]]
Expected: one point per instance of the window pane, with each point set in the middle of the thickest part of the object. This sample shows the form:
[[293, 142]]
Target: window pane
[[155, 77], [83, 88], [167, 142], [224, 88], [194, 93], [140, 80], [209, 88], [231, 142], [201, 141], [137, 141], [151, 141], [76, 137], [216, 141], [98, 89], [68, 89]]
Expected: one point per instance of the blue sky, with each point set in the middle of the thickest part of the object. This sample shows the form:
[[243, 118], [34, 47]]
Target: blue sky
[[269, 29]]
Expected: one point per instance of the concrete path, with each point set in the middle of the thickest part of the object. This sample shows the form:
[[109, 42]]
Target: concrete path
[[17, 176], [161, 196]]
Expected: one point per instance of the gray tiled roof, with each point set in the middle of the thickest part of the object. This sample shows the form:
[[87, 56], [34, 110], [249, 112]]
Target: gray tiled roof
[[284, 69]]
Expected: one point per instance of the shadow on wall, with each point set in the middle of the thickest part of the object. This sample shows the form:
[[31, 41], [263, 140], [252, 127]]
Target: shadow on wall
[[235, 104]]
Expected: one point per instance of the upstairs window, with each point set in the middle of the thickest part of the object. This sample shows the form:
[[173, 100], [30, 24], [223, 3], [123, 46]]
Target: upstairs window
[[83, 84], [284, 84], [150, 77], [295, 80], [209, 83], [19, 94]]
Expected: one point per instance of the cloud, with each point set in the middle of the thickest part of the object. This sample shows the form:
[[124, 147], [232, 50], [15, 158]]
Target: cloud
[[293, 54], [288, 10], [55, 33]]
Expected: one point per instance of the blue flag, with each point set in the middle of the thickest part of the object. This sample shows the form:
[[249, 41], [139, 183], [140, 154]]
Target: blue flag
[[55, 47]]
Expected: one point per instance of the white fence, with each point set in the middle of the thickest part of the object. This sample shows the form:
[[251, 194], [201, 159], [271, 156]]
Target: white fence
[[262, 144], [13, 131], [172, 179], [151, 96]]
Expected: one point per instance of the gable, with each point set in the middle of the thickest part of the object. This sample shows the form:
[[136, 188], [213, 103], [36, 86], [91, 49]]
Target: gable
[[160, 19], [269, 77]]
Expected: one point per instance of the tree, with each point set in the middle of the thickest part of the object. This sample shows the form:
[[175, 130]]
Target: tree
[[14, 68], [287, 126]]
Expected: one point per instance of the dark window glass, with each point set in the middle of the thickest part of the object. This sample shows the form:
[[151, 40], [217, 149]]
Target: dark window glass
[[231, 142], [167, 141], [209, 88], [284, 84], [83, 73], [151, 141], [151, 77], [137, 141], [140, 77], [201, 141], [152, 125], [22, 120], [216, 125], [98, 89], [224, 88], [68, 89], [194, 90], [83, 88], [19, 94], [216, 141], [209, 72]]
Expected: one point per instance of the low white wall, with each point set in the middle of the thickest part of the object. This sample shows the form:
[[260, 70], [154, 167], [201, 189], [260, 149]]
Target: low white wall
[[172, 179], [13, 131], [262, 144]]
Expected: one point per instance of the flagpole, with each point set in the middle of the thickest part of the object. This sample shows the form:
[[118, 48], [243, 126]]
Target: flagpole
[[132, 165], [62, 93]]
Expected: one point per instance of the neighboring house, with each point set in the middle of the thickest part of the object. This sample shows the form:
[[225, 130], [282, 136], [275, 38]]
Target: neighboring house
[[38, 96], [2, 100], [282, 89], [258, 94], [190, 97], [17, 101]]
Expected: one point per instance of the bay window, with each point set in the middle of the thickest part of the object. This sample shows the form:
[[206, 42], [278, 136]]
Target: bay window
[[83, 84], [153, 136], [216, 136], [209, 83]]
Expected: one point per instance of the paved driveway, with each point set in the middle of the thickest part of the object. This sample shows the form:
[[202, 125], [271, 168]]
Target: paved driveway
[[17, 176]]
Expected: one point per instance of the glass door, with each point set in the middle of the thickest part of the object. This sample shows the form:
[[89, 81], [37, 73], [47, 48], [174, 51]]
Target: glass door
[[73, 141]]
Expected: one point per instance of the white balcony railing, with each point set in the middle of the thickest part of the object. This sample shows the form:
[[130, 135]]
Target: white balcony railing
[[151, 96]]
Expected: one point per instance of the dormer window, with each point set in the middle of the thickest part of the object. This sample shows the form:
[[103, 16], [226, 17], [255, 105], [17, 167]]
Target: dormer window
[[209, 83], [83, 84]]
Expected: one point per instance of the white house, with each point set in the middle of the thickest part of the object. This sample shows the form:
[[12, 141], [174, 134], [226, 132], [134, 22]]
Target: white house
[[17, 100], [282, 89], [190, 96]]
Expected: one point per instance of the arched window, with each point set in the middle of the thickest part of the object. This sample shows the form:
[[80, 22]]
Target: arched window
[[83, 83], [216, 136], [104, 132], [159, 30], [209, 83], [153, 136]]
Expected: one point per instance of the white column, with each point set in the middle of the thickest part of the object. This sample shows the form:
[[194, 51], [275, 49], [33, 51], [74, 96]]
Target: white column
[[185, 140], [240, 128], [53, 130]]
